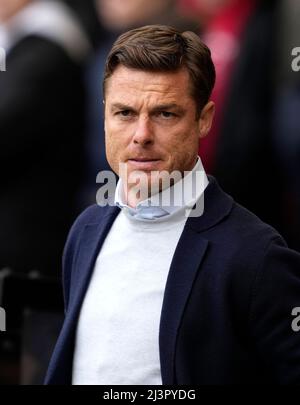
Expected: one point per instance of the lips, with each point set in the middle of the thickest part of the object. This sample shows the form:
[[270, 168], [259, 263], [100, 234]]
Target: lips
[[138, 159], [143, 163]]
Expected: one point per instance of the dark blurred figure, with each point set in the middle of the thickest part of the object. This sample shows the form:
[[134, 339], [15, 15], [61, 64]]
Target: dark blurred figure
[[41, 131], [242, 150], [286, 122], [116, 16]]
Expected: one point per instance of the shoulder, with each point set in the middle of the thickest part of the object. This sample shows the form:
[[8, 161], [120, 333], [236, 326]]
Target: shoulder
[[229, 223], [34, 46], [236, 235], [34, 57], [92, 215], [246, 225], [247, 238], [254, 254]]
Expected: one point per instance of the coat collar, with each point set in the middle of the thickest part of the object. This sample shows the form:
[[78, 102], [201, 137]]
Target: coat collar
[[217, 205]]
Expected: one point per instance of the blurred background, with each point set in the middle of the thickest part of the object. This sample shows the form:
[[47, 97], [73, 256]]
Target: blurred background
[[52, 139]]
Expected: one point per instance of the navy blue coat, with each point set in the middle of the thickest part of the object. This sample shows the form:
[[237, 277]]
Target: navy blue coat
[[227, 309]]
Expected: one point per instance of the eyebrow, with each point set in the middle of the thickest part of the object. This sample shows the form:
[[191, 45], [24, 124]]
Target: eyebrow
[[120, 106], [160, 107], [171, 106]]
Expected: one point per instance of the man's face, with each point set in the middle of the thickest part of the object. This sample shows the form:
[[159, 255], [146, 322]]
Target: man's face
[[150, 121]]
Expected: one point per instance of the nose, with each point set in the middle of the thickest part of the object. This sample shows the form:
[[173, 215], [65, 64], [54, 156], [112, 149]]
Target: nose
[[143, 134]]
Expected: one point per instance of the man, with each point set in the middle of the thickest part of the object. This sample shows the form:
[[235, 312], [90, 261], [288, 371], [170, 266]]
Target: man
[[155, 294], [41, 126], [115, 19]]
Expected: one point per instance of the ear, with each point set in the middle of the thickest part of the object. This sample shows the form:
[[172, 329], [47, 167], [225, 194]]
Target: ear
[[206, 119]]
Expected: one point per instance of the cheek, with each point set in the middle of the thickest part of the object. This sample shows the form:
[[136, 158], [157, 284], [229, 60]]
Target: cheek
[[183, 146], [185, 138], [110, 145], [111, 135], [114, 131], [115, 146]]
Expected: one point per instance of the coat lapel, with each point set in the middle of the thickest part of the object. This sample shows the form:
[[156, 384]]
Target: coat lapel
[[93, 237], [183, 271], [184, 268]]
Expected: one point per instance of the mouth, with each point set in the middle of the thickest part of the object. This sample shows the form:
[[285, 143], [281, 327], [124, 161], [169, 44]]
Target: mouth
[[144, 160], [144, 163]]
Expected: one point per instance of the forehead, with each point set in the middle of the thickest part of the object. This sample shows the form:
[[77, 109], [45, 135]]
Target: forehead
[[167, 86]]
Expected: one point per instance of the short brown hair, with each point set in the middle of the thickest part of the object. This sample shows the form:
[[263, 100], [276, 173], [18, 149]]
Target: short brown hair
[[159, 48]]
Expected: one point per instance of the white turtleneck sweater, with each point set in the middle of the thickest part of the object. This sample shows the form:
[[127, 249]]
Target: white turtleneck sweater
[[117, 339]]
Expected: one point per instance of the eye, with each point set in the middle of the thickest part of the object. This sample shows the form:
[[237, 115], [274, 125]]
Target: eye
[[166, 114], [124, 113]]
